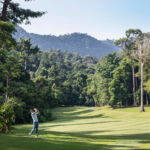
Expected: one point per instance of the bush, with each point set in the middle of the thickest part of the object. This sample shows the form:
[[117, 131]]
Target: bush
[[45, 115], [7, 117]]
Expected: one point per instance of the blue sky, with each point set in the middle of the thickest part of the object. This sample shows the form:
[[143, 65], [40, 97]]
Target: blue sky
[[103, 19]]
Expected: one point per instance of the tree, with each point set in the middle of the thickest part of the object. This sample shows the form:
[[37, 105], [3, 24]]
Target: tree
[[16, 89], [147, 89], [102, 78], [120, 86], [10, 69], [12, 12], [147, 81], [6, 40], [7, 43], [4, 10], [27, 49], [128, 45], [142, 55]]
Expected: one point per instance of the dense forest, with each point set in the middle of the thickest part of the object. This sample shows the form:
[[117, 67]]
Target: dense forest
[[31, 78]]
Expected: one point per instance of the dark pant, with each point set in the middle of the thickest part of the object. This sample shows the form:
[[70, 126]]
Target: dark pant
[[35, 127]]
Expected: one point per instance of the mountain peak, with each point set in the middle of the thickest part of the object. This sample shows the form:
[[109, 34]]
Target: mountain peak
[[81, 43]]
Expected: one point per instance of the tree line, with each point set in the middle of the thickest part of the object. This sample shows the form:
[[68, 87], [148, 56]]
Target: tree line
[[32, 78], [14, 79], [123, 79]]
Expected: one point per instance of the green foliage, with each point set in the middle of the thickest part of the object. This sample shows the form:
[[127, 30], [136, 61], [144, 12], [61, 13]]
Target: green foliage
[[18, 93], [30, 78], [66, 76], [82, 44], [45, 115], [26, 49], [120, 88], [7, 117], [17, 15], [100, 83], [6, 39], [147, 77]]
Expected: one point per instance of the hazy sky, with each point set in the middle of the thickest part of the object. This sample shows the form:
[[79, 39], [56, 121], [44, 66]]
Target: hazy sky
[[100, 18]]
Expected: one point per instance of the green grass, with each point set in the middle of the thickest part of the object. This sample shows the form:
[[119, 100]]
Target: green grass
[[83, 128]]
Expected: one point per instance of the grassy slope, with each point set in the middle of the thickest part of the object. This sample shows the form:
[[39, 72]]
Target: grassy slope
[[82, 128]]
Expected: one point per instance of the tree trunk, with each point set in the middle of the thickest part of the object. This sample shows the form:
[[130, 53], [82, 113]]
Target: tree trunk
[[25, 60], [121, 104], [147, 103], [25, 64], [6, 93], [133, 78], [4, 10], [126, 103], [136, 84], [142, 75]]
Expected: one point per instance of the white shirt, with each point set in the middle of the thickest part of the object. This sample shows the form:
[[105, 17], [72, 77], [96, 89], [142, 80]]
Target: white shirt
[[34, 117]]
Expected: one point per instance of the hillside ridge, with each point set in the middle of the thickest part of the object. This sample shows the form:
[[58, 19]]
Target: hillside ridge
[[80, 43]]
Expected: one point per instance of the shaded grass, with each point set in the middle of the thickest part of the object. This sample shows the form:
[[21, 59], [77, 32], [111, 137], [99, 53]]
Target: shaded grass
[[82, 128]]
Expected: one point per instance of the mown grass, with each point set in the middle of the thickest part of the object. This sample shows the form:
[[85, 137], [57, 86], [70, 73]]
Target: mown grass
[[84, 128]]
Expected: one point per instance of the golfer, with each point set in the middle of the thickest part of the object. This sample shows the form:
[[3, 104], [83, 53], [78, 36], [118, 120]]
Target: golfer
[[34, 114]]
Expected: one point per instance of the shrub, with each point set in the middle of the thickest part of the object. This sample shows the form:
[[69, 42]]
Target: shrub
[[7, 117], [45, 115]]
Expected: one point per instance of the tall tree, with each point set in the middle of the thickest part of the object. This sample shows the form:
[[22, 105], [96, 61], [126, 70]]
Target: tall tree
[[7, 43], [142, 55], [4, 10], [102, 78], [147, 81], [128, 45], [27, 49], [6, 38], [11, 69], [120, 88], [12, 12]]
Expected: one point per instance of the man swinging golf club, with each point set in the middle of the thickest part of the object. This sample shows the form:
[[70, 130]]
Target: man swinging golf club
[[34, 114]]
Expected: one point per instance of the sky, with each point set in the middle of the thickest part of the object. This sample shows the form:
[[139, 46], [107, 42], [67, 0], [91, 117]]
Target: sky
[[103, 19]]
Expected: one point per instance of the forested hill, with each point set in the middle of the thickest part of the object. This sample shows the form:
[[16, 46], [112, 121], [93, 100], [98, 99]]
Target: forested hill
[[74, 43]]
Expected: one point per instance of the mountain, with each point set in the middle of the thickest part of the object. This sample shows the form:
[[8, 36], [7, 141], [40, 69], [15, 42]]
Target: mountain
[[74, 43]]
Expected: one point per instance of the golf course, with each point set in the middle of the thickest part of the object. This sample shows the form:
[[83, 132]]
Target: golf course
[[84, 128]]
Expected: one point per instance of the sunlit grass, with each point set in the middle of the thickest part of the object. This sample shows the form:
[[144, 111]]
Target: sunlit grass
[[83, 128]]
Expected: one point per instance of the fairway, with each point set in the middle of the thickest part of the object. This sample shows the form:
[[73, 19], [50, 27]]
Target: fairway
[[85, 128]]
